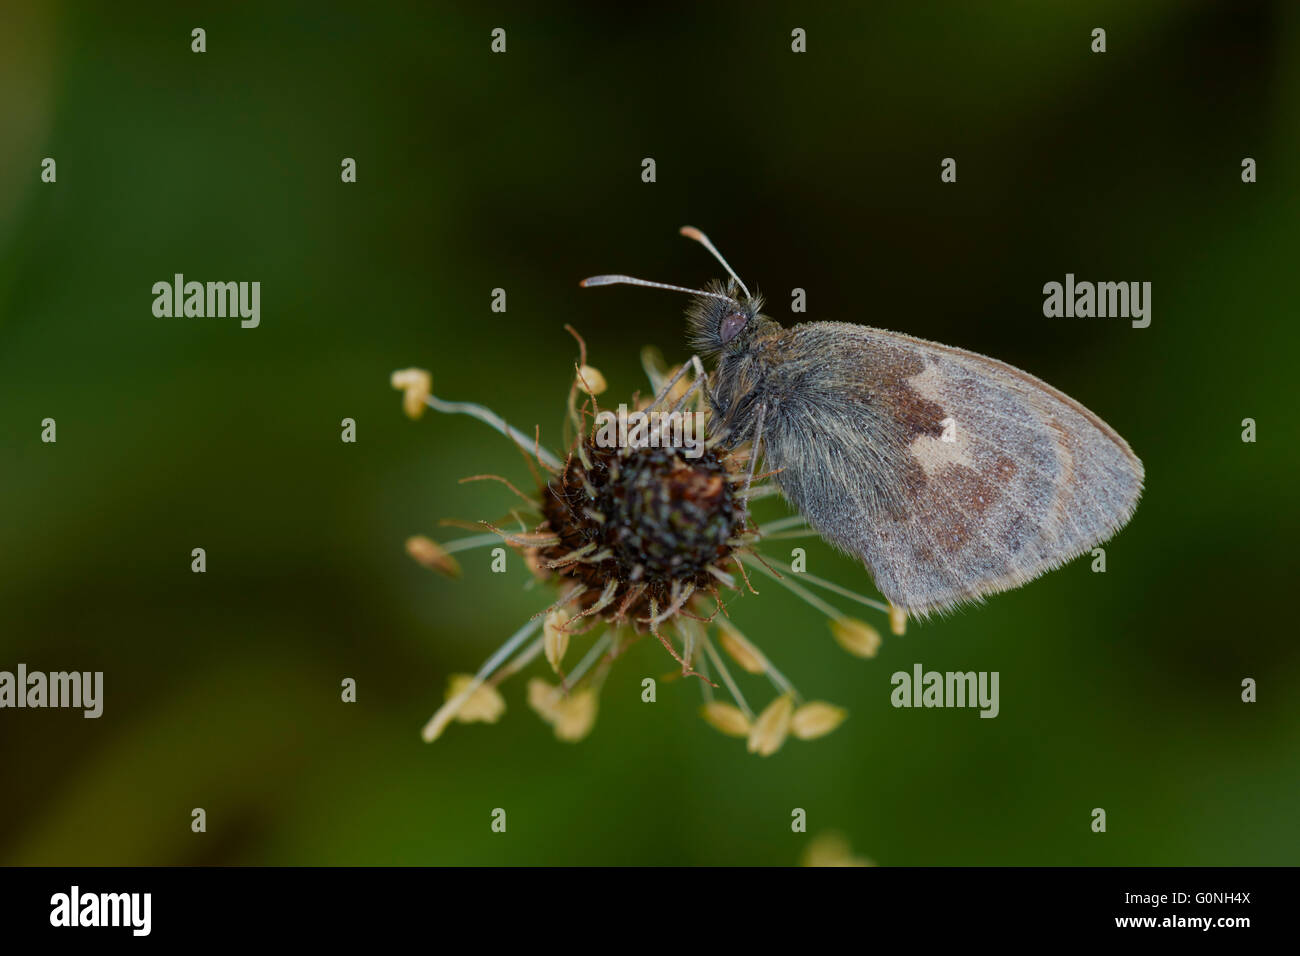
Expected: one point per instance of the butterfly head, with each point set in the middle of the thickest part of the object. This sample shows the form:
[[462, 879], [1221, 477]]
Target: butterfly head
[[723, 319]]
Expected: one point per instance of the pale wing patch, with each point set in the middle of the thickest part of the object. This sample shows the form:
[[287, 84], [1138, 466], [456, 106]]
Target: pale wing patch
[[952, 446]]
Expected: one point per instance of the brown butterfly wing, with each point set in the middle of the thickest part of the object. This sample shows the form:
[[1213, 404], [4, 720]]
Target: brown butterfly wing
[[949, 474]]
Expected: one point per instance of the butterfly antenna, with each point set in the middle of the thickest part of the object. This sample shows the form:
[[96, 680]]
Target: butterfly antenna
[[628, 280], [690, 232]]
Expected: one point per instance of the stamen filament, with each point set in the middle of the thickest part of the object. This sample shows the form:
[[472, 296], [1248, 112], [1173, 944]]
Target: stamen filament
[[781, 524], [830, 586], [444, 715], [476, 541], [795, 589], [721, 665], [492, 419], [584, 665]]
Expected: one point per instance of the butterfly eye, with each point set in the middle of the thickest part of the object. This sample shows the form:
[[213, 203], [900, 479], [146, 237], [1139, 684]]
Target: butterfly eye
[[731, 326]]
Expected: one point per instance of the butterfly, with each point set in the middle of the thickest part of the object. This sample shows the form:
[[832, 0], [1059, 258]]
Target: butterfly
[[950, 475]]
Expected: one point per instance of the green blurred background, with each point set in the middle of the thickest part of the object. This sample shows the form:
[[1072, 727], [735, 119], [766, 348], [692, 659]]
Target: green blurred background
[[522, 171]]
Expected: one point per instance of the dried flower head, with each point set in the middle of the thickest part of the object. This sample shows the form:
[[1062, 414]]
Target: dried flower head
[[637, 538]]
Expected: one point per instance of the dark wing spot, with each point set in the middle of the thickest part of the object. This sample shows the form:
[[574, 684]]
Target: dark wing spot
[[885, 388]]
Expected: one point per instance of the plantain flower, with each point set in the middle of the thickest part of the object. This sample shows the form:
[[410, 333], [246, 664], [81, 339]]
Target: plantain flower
[[630, 541]]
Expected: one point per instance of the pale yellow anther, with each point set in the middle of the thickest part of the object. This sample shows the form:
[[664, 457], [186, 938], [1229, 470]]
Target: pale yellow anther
[[897, 620], [467, 700], [575, 715], [856, 637], [416, 385], [484, 702], [816, 719], [772, 727], [590, 380], [740, 649], [832, 849], [432, 555], [555, 639], [728, 718], [542, 697]]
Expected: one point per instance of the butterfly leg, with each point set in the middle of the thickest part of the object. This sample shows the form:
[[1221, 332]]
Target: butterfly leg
[[693, 363], [753, 451], [699, 383]]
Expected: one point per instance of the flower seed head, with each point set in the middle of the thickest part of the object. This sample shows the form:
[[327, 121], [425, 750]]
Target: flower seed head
[[649, 519]]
